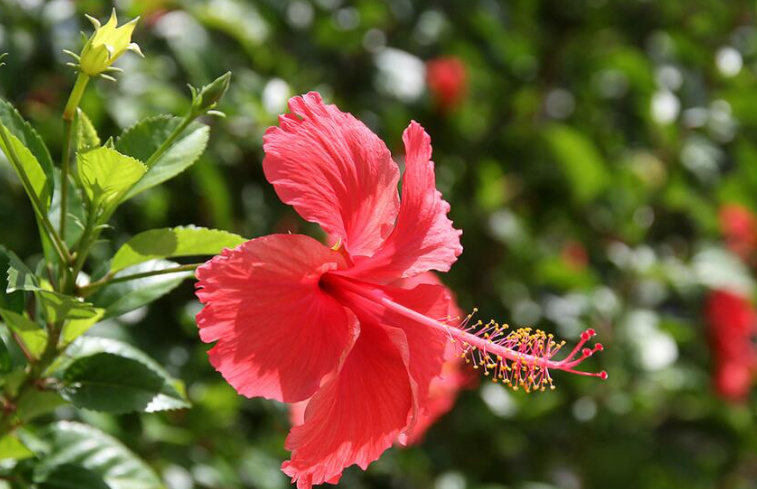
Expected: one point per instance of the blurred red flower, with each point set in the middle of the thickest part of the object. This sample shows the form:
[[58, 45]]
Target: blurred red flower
[[739, 227], [731, 320], [574, 255], [447, 78]]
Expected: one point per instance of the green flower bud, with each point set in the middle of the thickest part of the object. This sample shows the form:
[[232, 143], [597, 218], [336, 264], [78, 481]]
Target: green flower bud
[[206, 98], [107, 44]]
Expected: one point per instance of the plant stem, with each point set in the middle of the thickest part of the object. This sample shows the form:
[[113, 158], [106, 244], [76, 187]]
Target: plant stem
[[109, 279], [35, 372], [69, 114], [58, 244]]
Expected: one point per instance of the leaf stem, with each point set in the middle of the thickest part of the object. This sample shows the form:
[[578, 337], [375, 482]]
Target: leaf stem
[[60, 247], [110, 280], [188, 119]]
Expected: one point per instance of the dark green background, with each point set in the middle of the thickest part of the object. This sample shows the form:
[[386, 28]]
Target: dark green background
[[621, 125]]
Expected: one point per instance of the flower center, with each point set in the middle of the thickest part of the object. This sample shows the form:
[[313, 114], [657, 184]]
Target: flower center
[[521, 358]]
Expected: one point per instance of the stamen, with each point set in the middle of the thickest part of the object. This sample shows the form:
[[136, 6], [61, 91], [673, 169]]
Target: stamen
[[521, 359]]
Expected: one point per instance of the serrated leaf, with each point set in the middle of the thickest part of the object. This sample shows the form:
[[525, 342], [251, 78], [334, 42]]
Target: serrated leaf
[[580, 160], [12, 448], [107, 175], [31, 335], [38, 403], [10, 301], [70, 476], [120, 298], [110, 383], [88, 447], [19, 277], [85, 134], [60, 307], [143, 139], [77, 327], [39, 184], [25, 133], [171, 395], [172, 243]]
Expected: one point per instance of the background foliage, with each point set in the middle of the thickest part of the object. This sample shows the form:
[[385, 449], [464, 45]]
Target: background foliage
[[586, 165]]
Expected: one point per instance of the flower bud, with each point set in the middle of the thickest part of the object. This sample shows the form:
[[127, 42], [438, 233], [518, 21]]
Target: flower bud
[[206, 98], [106, 45]]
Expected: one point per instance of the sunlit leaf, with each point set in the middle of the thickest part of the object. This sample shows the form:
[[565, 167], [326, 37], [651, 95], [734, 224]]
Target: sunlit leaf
[[61, 307], [10, 301], [107, 175], [172, 243], [30, 333], [25, 133], [39, 184], [85, 134], [12, 448], [77, 327]]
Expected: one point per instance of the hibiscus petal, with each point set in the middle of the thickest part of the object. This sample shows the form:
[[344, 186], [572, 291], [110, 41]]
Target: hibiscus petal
[[334, 171], [278, 333], [424, 238], [357, 415]]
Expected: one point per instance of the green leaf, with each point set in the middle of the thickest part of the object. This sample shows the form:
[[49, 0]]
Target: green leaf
[[110, 383], [39, 183], [171, 243], [60, 307], [77, 327], [120, 298], [90, 448], [143, 139], [19, 276], [580, 161], [31, 335], [85, 134], [10, 301], [16, 125], [12, 448], [70, 476], [107, 175], [171, 394], [38, 403]]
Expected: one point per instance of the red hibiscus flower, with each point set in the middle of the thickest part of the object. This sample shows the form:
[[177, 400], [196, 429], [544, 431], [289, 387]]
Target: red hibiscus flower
[[739, 226], [339, 327], [447, 79], [731, 319]]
